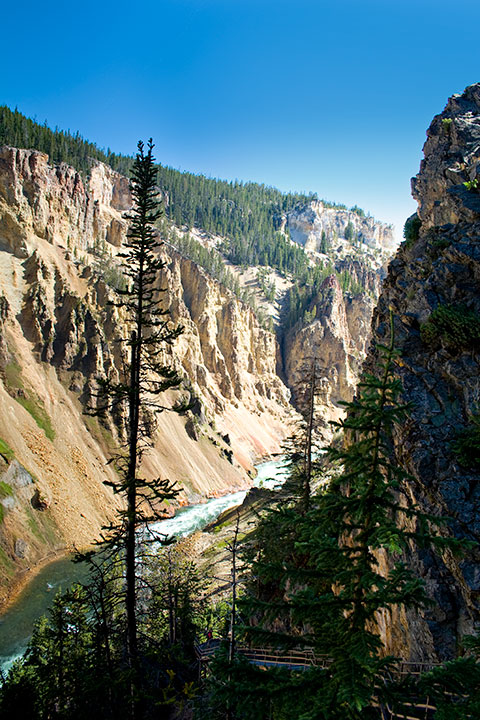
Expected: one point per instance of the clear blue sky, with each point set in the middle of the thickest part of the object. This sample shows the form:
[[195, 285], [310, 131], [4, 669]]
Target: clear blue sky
[[332, 97]]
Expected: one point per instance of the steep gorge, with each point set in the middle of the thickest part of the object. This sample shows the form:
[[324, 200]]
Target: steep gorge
[[433, 290], [59, 333], [59, 236]]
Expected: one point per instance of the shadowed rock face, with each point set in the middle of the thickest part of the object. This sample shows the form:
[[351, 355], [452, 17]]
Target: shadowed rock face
[[439, 369]]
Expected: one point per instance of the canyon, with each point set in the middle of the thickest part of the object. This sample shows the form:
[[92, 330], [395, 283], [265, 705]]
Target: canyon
[[432, 288], [60, 235]]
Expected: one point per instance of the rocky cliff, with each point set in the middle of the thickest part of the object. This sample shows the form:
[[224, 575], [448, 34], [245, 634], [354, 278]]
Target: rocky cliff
[[335, 342], [59, 236], [52, 203], [433, 288], [309, 223], [335, 327]]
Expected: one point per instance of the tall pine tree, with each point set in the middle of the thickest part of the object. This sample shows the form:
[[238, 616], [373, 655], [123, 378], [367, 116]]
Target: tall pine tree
[[348, 566], [146, 377]]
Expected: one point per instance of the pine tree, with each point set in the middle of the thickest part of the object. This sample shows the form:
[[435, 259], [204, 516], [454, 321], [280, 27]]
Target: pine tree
[[137, 395], [176, 600], [329, 591]]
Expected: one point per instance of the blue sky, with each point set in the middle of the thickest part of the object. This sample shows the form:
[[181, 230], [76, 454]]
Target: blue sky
[[330, 97]]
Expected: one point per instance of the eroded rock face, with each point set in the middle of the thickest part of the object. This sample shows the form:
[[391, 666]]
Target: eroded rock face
[[452, 157], [307, 224], [58, 334], [225, 352], [228, 357], [440, 376], [335, 342], [53, 203]]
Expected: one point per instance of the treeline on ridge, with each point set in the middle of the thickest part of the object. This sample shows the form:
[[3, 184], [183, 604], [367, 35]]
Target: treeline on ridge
[[249, 214]]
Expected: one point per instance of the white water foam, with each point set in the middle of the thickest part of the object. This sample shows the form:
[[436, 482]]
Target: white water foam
[[270, 475]]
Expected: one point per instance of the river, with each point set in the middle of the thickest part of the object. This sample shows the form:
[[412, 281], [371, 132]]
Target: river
[[16, 624]]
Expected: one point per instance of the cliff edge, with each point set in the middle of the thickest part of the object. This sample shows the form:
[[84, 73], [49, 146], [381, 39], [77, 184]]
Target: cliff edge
[[433, 289]]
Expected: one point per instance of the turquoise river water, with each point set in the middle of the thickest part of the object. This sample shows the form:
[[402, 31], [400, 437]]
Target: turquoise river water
[[16, 624]]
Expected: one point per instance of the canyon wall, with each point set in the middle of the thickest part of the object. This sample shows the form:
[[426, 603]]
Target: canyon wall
[[59, 237], [335, 330], [335, 343], [433, 289], [307, 224]]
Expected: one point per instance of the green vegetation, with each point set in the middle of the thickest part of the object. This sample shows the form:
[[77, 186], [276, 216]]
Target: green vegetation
[[308, 288], [41, 525], [108, 267], [33, 524], [268, 287], [208, 258], [61, 146], [315, 580], [457, 325], [7, 567], [349, 231], [6, 451], [5, 490], [35, 407], [472, 185], [75, 665], [411, 229], [211, 261], [136, 394], [101, 433], [466, 445], [248, 214], [325, 243], [358, 211], [439, 244], [13, 373], [28, 400]]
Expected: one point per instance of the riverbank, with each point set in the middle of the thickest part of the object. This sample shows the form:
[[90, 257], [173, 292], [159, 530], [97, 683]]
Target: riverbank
[[8, 596], [17, 623], [22, 579], [31, 598]]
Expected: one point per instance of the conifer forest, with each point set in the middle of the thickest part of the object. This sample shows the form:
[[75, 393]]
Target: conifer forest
[[252, 423]]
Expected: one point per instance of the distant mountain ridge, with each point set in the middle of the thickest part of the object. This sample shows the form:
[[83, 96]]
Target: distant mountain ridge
[[251, 215]]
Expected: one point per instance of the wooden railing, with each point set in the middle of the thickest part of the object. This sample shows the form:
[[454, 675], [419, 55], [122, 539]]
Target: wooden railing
[[304, 658], [416, 709]]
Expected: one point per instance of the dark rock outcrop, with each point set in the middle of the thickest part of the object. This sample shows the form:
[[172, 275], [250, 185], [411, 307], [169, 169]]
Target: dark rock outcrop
[[433, 289]]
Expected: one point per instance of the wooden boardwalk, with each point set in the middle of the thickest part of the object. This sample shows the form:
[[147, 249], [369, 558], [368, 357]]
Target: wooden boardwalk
[[300, 660]]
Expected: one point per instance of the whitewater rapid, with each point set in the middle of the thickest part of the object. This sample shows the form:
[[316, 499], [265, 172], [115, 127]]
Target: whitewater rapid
[[16, 624]]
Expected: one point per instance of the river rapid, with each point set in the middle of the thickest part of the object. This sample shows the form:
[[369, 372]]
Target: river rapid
[[16, 624]]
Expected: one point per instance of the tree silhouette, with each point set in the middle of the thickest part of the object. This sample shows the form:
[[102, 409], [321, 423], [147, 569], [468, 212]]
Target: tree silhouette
[[135, 397]]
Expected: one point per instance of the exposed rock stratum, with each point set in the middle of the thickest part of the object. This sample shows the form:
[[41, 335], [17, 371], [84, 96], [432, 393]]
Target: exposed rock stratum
[[59, 236], [433, 289]]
